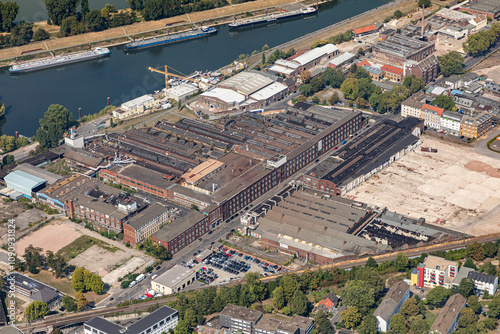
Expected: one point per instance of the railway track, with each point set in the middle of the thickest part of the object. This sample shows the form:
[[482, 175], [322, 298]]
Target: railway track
[[65, 320]]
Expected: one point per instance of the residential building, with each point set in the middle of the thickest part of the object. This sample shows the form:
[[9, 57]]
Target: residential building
[[304, 324], [427, 69], [484, 282], [391, 304], [375, 73], [454, 81], [475, 125], [143, 225], [239, 318], [447, 320], [432, 116], [266, 326], [451, 122], [435, 271], [173, 280], [159, 321], [393, 73], [412, 107], [29, 290], [492, 88], [398, 49], [327, 304]]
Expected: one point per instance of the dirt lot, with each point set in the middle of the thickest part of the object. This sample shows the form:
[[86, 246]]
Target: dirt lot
[[30, 216], [454, 185], [445, 45], [52, 237], [99, 260]]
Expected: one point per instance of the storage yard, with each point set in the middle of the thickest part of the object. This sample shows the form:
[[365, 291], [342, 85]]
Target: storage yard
[[455, 186]]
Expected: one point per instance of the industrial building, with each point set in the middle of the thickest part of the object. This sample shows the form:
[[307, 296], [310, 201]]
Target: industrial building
[[143, 225], [173, 280], [20, 184], [365, 31], [490, 8], [341, 59], [427, 69], [373, 150], [398, 49], [447, 320], [181, 92], [391, 304], [162, 320]]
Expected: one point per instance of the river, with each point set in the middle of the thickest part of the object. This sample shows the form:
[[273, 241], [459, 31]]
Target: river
[[125, 76]]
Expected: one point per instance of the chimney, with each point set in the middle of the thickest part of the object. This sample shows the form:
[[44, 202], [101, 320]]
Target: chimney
[[17, 134], [108, 100], [423, 17], [79, 113]]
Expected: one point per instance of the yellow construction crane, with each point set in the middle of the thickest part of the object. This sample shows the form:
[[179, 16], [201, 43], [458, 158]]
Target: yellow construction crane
[[168, 74]]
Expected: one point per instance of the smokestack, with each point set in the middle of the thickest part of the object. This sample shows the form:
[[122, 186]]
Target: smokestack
[[17, 134], [108, 100], [317, 4], [281, 9], [423, 17], [79, 113]]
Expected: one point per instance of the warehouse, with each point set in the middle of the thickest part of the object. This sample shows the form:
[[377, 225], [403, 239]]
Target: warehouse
[[139, 104], [369, 154], [490, 8], [23, 184], [145, 224], [181, 92], [173, 280], [397, 49], [341, 59]]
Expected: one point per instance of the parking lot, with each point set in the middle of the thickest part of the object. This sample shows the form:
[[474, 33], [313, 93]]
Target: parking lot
[[226, 265]]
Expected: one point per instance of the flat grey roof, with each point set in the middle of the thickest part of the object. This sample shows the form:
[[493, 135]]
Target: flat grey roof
[[174, 275], [177, 226], [145, 175], [144, 217], [38, 172], [240, 312], [151, 319]]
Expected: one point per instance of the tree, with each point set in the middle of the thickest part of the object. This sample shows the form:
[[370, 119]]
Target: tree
[[8, 14], [334, 98], [58, 115], [286, 310], [475, 251], [333, 77], [136, 4], [33, 257], [474, 304], [77, 281], [298, 303], [451, 63], [182, 327], [305, 76], [69, 303], [56, 263], [81, 301], [2, 110], [438, 296], [401, 262], [489, 249], [263, 58], [426, 3], [446, 102], [8, 160], [418, 325], [323, 325], [351, 317], [410, 308], [494, 307], [289, 285], [488, 268], [467, 318], [398, 324], [316, 99], [358, 293], [21, 34], [490, 323], [371, 263], [349, 89], [479, 43], [413, 83], [36, 310], [84, 5], [279, 298], [369, 325], [397, 14], [466, 287], [95, 21], [97, 284], [58, 10], [470, 264], [40, 35]]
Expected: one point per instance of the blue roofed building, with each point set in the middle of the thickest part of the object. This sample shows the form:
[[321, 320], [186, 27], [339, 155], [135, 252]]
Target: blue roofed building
[[24, 183]]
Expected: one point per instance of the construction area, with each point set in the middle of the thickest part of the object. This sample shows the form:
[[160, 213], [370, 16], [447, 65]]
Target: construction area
[[455, 188]]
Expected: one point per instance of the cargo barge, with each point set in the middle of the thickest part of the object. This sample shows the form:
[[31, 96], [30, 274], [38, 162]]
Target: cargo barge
[[156, 41], [41, 64], [271, 18]]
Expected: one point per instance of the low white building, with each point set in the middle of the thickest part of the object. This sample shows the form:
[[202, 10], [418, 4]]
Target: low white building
[[173, 280], [139, 104], [484, 282], [74, 140], [451, 122], [160, 321], [181, 92]]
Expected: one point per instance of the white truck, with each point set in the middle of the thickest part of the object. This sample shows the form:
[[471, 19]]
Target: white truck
[[140, 278]]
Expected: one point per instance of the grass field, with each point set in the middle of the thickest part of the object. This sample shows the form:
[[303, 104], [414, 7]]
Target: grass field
[[81, 244], [430, 316], [61, 284]]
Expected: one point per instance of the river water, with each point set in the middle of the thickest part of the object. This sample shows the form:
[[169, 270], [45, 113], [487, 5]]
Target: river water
[[125, 76]]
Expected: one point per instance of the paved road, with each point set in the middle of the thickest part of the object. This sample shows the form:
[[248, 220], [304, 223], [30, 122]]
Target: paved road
[[471, 62], [482, 148]]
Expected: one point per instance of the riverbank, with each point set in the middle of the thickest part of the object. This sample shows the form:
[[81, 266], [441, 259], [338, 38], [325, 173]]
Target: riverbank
[[122, 35]]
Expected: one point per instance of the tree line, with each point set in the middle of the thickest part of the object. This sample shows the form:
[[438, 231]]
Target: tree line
[[34, 260], [481, 42]]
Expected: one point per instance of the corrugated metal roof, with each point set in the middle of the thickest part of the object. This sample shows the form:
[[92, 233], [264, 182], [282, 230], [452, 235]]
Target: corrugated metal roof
[[23, 182], [315, 54]]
